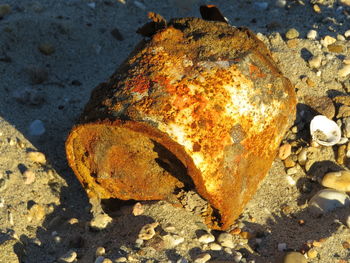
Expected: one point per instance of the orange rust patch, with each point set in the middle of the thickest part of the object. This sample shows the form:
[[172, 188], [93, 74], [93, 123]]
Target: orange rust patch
[[139, 84], [255, 72]]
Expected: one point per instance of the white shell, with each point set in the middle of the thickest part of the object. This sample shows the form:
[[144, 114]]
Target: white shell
[[324, 131]]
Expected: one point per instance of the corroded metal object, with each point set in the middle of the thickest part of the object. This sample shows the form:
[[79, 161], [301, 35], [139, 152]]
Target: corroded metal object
[[199, 104]]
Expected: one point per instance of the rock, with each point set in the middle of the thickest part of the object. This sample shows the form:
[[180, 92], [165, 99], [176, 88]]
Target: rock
[[343, 112], [206, 238], [237, 256], [347, 33], [317, 9], [341, 155], [312, 253], [225, 240], [137, 209], [344, 71], [36, 213], [121, 259], [322, 105], [281, 3], [346, 127], [249, 132], [341, 37], [345, 2], [289, 163], [171, 241], [293, 170], [315, 61], [100, 251], [29, 176], [294, 257], [214, 246], [335, 48], [100, 221], [337, 180], [292, 33], [284, 151], [302, 156], [327, 40], [5, 9], [37, 128], [37, 157], [312, 34], [327, 200], [202, 258], [147, 231], [46, 49], [69, 257]]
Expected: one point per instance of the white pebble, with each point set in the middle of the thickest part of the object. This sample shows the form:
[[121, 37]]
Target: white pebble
[[327, 200], [281, 3], [340, 37], [171, 241], [206, 238], [337, 180], [36, 157], [327, 40], [70, 256], [100, 221], [29, 176], [348, 221], [147, 231], [293, 170], [237, 256], [312, 34], [225, 240], [282, 246], [37, 128], [344, 71], [347, 33], [290, 180], [100, 251], [202, 258], [214, 246], [315, 61]]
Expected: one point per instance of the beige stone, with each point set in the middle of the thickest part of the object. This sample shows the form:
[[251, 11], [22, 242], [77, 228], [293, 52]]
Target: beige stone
[[337, 180]]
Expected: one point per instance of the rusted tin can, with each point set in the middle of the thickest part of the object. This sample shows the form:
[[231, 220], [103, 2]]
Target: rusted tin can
[[199, 104]]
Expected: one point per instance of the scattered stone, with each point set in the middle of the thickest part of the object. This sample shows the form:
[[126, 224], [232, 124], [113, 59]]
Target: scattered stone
[[343, 112], [29, 176], [73, 221], [36, 213], [147, 231], [37, 157], [281, 3], [290, 180], [225, 240], [315, 61], [101, 259], [236, 231], [341, 37], [137, 209], [347, 222], [310, 82], [316, 8], [327, 200], [302, 156], [346, 245], [293, 43], [206, 238], [344, 71], [293, 170], [292, 33], [312, 34], [346, 127], [284, 151], [341, 154], [327, 40], [5, 9], [37, 128], [312, 253], [288, 163], [121, 259], [347, 33], [202, 258], [46, 49], [337, 180], [214, 246], [171, 241], [100, 251], [237, 256], [294, 257], [70, 256], [282, 246], [345, 2], [335, 48], [100, 221]]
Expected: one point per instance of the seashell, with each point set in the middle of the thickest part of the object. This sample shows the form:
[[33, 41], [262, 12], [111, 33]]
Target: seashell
[[324, 131]]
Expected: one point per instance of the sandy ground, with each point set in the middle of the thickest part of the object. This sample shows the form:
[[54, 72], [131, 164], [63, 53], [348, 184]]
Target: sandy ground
[[45, 216]]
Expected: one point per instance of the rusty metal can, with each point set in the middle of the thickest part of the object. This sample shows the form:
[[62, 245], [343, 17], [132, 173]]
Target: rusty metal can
[[198, 104]]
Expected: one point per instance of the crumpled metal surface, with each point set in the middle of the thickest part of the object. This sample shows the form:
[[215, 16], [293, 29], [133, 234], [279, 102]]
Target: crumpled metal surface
[[200, 104]]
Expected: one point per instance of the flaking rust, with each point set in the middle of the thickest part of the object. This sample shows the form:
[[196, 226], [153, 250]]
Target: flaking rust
[[197, 104]]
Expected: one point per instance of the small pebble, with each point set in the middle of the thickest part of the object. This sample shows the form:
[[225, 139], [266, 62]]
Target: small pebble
[[202, 258], [294, 257], [46, 49], [282, 246], [327, 200], [5, 9], [70, 256], [316, 8], [327, 40], [347, 33], [29, 176], [343, 111], [237, 256], [284, 151], [36, 213], [137, 209], [315, 61], [289, 163], [121, 259], [344, 71], [36, 157], [341, 37], [100, 221], [147, 231], [312, 34], [100, 251], [206, 238], [171, 241], [337, 180], [225, 240], [290, 180], [335, 48], [346, 245], [312, 253], [293, 170], [281, 3], [302, 156], [214, 246], [37, 128], [292, 33], [347, 221]]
